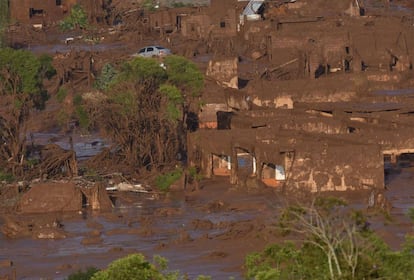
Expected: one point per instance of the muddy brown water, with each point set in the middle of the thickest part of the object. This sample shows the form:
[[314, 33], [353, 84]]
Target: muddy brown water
[[163, 227], [204, 232]]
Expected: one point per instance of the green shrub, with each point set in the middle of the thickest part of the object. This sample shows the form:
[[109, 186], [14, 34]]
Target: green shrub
[[61, 94], [135, 266], [47, 70], [6, 177], [80, 112], [411, 214], [163, 182], [83, 117], [77, 100], [148, 5], [175, 101], [83, 275], [77, 19], [106, 78], [32, 162], [62, 118], [335, 244], [92, 175]]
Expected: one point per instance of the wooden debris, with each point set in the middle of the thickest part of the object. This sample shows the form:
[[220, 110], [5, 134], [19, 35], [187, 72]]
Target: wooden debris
[[57, 161]]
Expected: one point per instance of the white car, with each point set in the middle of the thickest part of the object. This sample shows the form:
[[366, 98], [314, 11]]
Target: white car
[[153, 51]]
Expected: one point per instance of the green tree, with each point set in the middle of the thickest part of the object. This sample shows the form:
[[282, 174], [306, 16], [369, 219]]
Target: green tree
[[21, 90], [187, 78], [83, 275], [336, 244], [105, 79], [144, 110], [136, 267]]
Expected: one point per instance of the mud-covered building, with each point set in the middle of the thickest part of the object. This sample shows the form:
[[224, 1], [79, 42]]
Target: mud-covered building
[[323, 132], [319, 146], [49, 12], [296, 39], [39, 11]]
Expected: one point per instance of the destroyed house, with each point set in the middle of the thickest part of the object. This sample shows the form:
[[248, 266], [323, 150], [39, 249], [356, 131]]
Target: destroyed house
[[195, 22], [315, 146], [39, 12], [288, 159]]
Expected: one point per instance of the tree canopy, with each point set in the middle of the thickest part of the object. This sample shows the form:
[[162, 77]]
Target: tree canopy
[[77, 19], [335, 243], [135, 266], [145, 108], [21, 88]]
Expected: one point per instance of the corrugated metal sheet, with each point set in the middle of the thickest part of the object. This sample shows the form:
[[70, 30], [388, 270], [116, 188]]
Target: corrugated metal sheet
[[252, 7]]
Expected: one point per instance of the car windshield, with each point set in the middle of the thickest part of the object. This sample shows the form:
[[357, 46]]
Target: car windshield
[[160, 48]]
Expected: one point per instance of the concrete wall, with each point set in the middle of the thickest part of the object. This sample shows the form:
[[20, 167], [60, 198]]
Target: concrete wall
[[311, 163], [338, 168], [224, 71]]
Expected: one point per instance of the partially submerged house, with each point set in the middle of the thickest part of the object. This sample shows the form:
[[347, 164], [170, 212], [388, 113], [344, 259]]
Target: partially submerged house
[[316, 146], [289, 152]]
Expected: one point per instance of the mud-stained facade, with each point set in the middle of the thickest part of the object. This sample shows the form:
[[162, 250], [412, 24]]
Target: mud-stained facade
[[39, 11], [49, 12], [315, 145], [310, 134], [295, 40]]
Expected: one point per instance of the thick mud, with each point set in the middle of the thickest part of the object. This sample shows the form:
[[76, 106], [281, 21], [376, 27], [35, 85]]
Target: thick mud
[[206, 232], [201, 232]]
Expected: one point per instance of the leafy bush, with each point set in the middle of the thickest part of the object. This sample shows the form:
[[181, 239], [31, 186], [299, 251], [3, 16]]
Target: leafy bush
[[77, 100], [145, 109], [77, 19], [163, 182], [411, 214], [47, 70], [92, 175], [61, 94], [32, 162], [336, 245], [135, 266], [184, 74], [285, 261], [7, 177], [80, 112], [62, 118], [83, 275], [21, 80], [106, 78], [174, 101], [82, 116], [148, 5]]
